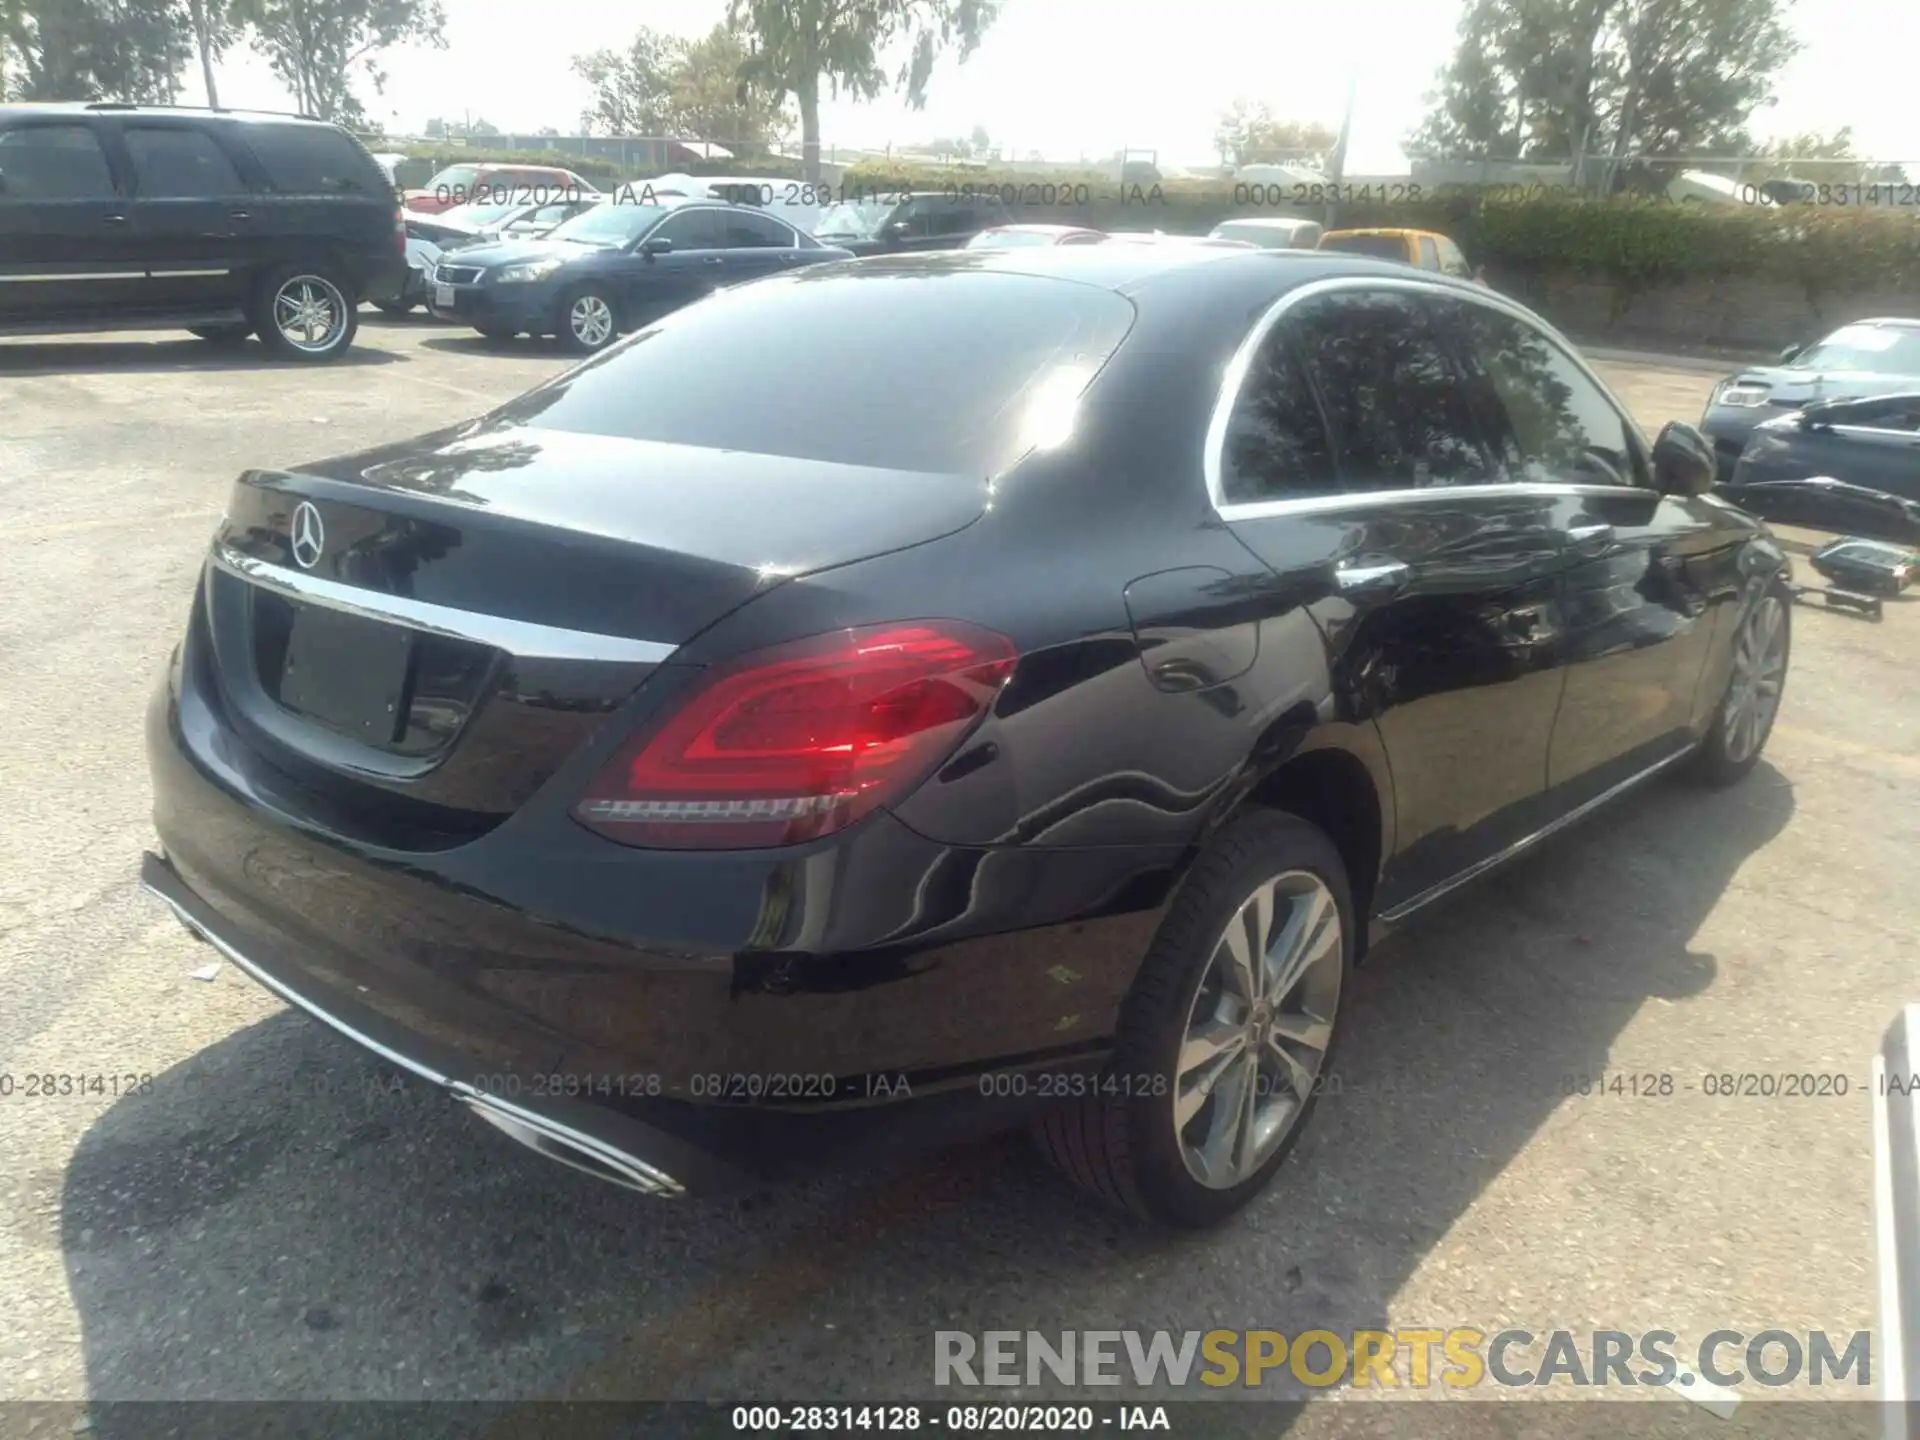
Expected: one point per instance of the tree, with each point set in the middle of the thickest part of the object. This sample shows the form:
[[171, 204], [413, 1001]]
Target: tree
[[214, 33], [707, 98], [665, 85], [797, 46], [1837, 162], [314, 46], [127, 50], [630, 87], [1248, 132], [1621, 79]]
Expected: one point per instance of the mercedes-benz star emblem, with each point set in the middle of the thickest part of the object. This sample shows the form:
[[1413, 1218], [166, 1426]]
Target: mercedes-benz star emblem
[[309, 535]]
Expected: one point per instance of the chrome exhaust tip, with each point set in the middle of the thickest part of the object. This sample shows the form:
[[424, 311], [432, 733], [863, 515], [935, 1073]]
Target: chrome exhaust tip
[[572, 1149]]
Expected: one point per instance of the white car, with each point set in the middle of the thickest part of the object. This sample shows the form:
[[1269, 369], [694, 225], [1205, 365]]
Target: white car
[[1269, 232]]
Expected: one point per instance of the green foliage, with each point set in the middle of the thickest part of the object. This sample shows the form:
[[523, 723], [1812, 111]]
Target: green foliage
[[1549, 79], [93, 49], [664, 85], [1249, 133], [795, 47]]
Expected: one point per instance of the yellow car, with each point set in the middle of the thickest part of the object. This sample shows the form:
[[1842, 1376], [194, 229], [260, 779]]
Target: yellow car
[[1422, 249]]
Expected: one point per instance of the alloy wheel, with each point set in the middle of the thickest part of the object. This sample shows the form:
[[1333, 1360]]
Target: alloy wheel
[[1258, 1029], [310, 313], [591, 320], [1759, 672]]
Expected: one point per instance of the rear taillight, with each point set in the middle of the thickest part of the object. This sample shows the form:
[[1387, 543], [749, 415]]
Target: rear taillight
[[796, 742]]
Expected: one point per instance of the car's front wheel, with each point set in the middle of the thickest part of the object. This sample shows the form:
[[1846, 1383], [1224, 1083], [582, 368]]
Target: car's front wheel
[[1225, 1036], [302, 313], [587, 322], [1761, 647]]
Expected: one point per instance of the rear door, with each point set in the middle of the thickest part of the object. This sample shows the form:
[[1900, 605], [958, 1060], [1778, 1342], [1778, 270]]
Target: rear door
[[67, 248], [756, 245], [1877, 444], [1352, 464], [314, 185], [1651, 575], [656, 284], [188, 202]]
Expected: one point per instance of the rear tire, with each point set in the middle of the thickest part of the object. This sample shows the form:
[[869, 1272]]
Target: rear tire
[[587, 321], [221, 334], [304, 312], [1762, 646], [1191, 1147]]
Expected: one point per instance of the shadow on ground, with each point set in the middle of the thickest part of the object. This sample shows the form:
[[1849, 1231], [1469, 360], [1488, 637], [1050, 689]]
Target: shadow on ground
[[280, 1220], [66, 357]]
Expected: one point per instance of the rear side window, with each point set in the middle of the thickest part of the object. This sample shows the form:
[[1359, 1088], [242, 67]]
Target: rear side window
[[1276, 444], [53, 162], [1380, 247], [313, 160], [747, 231], [942, 373], [1429, 254], [1452, 262], [1398, 410], [173, 164], [1546, 420]]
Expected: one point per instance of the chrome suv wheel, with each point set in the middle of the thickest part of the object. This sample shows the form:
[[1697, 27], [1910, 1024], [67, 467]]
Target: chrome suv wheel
[[303, 313]]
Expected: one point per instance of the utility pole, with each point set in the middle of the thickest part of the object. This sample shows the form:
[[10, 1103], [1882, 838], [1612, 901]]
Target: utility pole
[[1337, 162]]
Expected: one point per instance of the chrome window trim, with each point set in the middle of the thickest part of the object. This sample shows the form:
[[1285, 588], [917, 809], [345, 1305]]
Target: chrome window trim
[[51, 276], [522, 638], [1234, 380]]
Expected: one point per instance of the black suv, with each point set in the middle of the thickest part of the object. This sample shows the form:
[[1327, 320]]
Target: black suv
[[121, 217], [932, 221]]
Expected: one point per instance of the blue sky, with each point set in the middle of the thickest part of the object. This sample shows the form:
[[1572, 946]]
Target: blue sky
[[1071, 76]]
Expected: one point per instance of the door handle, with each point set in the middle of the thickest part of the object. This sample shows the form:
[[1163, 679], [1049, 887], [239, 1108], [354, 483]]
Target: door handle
[[715, 260], [1590, 539], [114, 219], [1371, 576], [239, 214]]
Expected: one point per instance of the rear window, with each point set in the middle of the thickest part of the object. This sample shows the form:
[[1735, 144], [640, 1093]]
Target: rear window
[[313, 160], [1381, 247], [945, 373]]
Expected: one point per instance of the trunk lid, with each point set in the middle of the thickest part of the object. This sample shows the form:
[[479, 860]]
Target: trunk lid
[[433, 627]]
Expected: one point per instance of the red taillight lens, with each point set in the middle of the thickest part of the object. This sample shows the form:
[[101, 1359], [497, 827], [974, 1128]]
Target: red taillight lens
[[799, 741]]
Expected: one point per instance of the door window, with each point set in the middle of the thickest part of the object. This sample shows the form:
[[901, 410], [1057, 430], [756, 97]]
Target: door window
[[1429, 254], [53, 162], [1547, 421], [1398, 410], [691, 230], [746, 231], [320, 160], [1452, 262], [179, 164]]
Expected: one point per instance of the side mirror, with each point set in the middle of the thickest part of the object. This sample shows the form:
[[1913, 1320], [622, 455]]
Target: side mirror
[[1683, 462], [898, 230], [1791, 351], [651, 248]]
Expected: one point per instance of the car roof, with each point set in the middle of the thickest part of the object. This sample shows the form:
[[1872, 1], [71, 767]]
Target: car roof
[[1139, 271], [1276, 222], [1040, 228], [78, 109], [1899, 322]]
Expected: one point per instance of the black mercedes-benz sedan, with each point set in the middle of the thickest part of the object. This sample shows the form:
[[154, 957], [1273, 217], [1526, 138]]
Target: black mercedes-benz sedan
[[700, 770]]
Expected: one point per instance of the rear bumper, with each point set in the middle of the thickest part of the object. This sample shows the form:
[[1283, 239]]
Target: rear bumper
[[699, 1019], [603, 1143]]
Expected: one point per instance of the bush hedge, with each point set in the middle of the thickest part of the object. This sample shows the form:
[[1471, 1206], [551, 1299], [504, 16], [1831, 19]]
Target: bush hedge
[[1632, 241]]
